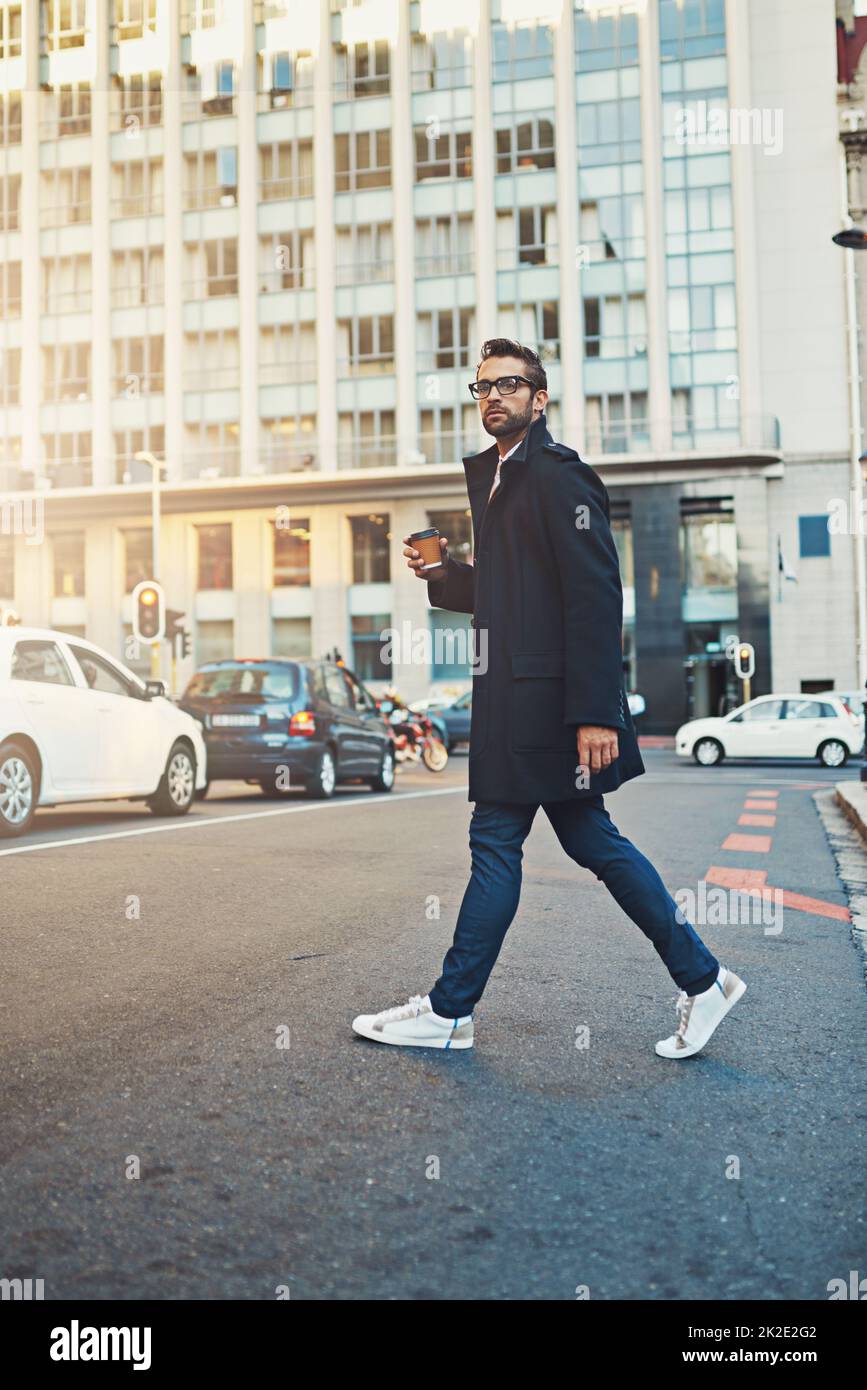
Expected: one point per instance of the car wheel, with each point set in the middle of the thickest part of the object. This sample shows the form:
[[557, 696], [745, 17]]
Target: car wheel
[[270, 787], [833, 753], [384, 780], [19, 781], [708, 752], [177, 789], [322, 783]]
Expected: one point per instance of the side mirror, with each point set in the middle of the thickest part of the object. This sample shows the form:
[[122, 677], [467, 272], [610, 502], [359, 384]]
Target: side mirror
[[153, 689]]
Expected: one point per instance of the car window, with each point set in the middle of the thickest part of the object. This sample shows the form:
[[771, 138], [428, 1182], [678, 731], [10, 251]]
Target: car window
[[43, 661], [463, 701], [358, 695], [99, 673], [766, 709], [275, 680], [338, 690], [808, 709]]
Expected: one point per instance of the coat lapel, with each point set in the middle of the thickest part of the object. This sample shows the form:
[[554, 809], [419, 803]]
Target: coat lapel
[[481, 469]]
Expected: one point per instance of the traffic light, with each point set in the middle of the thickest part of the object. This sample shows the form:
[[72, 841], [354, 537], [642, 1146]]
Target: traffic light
[[745, 660], [175, 630], [148, 611]]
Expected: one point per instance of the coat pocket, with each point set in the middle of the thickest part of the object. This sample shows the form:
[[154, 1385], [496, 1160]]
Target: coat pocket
[[537, 703]]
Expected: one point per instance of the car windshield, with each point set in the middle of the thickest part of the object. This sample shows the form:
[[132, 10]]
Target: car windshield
[[276, 681]]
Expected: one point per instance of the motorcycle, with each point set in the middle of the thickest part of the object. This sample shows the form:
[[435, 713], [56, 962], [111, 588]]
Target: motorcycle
[[415, 737]]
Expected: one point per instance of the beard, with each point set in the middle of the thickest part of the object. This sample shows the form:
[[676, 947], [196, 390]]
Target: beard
[[507, 423]]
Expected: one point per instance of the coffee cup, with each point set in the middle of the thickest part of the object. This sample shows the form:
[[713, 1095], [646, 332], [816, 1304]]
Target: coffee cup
[[427, 543]]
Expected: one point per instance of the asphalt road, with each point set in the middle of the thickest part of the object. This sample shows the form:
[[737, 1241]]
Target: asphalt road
[[151, 968]]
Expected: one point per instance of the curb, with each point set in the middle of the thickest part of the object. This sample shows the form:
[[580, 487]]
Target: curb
[[851, 797]]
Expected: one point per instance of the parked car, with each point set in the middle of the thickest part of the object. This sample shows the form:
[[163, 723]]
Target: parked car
[[854, 700], [77, 725], [775, 726], [285, 725], [454, 718]]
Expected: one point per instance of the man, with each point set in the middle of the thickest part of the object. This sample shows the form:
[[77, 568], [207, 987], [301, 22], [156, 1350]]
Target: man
[[550, 721]]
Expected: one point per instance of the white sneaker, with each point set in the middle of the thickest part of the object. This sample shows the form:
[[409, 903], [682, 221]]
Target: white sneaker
[[698, 1015], [415, 1025]]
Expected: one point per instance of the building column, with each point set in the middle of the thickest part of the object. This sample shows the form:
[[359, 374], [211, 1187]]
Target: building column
[[173, 245], [248, 248], [571, 317], [484, 214], [744, 217], [102, 444], [403, 236], [30, 239], [658, 380], [323, 175]]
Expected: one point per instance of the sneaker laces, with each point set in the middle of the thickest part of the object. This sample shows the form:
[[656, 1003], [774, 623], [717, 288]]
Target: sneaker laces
[[409, 1010], [683, 1003]]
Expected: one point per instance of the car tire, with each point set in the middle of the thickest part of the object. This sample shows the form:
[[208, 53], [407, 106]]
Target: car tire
[[19, 790], [708, 752], [833, 753], [384, 780], [322, 783], [270, 788], [177, 789]]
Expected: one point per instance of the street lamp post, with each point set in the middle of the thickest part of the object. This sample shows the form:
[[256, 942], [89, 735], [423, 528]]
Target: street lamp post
[[156, 468]]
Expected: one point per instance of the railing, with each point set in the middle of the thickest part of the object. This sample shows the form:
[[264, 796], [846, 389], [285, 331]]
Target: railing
[[141, 205], [610, 249], [11, 222], [292, 278], [146, 384], [65, 215], [218, 287], [277, 190], [536, 253], [67, 302], [58, 127], [75, 389], [364, 273], [283, 98], [289, 458], [218, 462], [289, 373], [211, 378], [74, 473], [441, 359], [380, 452], [197, 108], [442, 79], [133, 296], [11, 132], [212, 195], [447, 263], [614, 347], [129, 116], [372, 364], [356, 88]]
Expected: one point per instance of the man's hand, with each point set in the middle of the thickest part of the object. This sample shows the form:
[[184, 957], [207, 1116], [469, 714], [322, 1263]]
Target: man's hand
[[415, 562], [597, 747]]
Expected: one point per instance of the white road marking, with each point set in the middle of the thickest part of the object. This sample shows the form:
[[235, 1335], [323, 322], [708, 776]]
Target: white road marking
[[186, 824]]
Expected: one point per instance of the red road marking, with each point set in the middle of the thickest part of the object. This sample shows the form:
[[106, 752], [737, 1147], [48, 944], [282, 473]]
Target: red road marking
[[754, 881], [747, 819], [750, 844], [751, 804]]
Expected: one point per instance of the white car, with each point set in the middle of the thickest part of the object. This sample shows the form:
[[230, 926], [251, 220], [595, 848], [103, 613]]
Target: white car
[[76, 725], [775, 726]]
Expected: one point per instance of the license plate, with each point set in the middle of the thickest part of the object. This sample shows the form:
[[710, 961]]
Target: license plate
[[235, 721]]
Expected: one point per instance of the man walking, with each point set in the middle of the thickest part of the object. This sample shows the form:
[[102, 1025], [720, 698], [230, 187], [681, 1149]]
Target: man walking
[[550, 722]]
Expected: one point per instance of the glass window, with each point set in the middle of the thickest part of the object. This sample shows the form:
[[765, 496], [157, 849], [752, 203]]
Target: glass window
[[100, 674], [292, 553], [215, 556], [370, 549], [368, 644], [40, 661], [69, 565], [138, 558], [809, 709], [337, 688], [275, 680], [814, 536], [763, 709]]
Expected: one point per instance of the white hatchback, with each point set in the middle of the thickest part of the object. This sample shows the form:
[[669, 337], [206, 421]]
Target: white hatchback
[[776, 726], [76, 725]]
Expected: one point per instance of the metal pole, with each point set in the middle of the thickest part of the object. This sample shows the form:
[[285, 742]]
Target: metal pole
[[855, 448]]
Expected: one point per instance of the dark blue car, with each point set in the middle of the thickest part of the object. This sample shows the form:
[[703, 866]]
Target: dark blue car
[[289, 725]]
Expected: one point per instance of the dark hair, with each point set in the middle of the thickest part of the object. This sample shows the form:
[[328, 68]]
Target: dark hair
[[507, 347]]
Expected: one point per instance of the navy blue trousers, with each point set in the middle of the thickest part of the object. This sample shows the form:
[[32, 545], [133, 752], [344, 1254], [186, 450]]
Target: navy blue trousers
[[590, 837]]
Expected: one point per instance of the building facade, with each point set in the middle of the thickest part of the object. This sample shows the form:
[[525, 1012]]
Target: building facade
[[262, 242]]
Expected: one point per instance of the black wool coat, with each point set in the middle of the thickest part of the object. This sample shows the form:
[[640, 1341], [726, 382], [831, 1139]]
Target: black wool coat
[[547, 602]]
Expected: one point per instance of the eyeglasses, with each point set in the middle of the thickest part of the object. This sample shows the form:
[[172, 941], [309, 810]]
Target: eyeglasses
[[506, 385]]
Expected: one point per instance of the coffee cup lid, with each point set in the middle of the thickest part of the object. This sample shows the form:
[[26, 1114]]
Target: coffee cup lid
[[423, 535]]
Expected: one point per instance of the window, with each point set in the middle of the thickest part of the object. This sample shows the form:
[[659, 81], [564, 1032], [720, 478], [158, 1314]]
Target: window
[[762, 710], [444, 338], [814, 536], [212, 359], [286, 170], [138, 558], [66, 372], [442, 60], [65, 197], [365, 346], [444, 244], [7, 566], [66, 283], [336, 688], [809, 709], [287, 354], [100, 674], [457, 527], [215, 641], [40, 661], [536, 324], [68, 458], [10, 202], [10, 374], [368, 644], [366, 439], [136, 188], [10, 29], [212, 268], [292, 553], [211, 178], [365, 253], [370, 549], [136, 276], [69, 565], [362, 159], [527, 145], [215, 556], [291, 637], [285, 79], [447, 432], [708, 550], [526, 236], [136, 100], [361, 69], [522, 51], [446, 154], [138, 366]]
